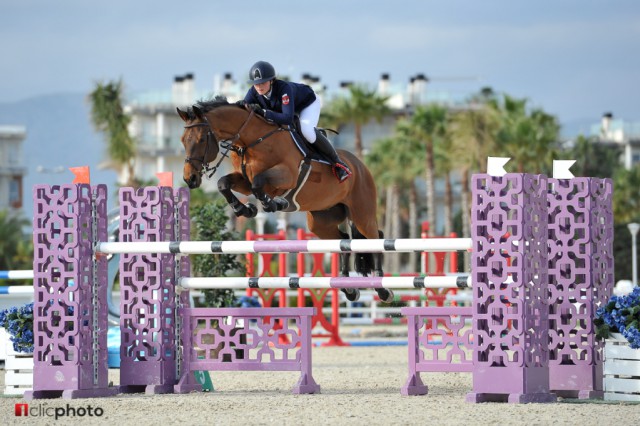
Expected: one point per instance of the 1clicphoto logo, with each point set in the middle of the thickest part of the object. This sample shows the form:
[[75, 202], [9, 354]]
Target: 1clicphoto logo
[[23, 410]]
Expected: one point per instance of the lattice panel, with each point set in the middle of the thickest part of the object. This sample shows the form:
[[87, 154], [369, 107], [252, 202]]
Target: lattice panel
[[510, 223], [445, 339], [68, 354], [580, 266], [250, 340], [602, 263], [147, 281]]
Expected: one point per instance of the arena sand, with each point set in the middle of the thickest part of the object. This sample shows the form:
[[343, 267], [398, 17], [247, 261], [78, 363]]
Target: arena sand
[[360, 386]]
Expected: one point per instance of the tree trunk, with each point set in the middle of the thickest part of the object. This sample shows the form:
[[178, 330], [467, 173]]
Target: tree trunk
[[358, 147], [395, 229], [431, 190], [388, 213], [414, 231], [448, 205], [388, 222], [466, 215], [131, 180]]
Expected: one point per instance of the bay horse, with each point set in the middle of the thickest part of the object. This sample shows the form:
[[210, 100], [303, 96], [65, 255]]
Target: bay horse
[[266, 163]]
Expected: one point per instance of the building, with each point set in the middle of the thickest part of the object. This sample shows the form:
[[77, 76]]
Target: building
[[12, 169], [625, 135]]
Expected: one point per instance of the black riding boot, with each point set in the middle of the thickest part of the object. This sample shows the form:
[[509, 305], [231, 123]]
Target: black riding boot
[[324, 146]]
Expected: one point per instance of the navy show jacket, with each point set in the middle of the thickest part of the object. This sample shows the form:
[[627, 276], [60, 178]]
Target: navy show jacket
[[287, 99]]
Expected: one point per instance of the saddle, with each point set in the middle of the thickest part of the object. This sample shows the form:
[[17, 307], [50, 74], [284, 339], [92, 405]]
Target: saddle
[[310, 153], [308, 149]]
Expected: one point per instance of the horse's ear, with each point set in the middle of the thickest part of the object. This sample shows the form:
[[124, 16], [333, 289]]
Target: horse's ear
[[183, 114], [198, 112]]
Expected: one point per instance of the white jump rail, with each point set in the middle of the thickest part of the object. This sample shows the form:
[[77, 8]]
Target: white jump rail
[[288, 246]]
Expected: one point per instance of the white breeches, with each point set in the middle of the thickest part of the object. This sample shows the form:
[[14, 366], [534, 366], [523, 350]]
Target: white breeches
[[309, 118]]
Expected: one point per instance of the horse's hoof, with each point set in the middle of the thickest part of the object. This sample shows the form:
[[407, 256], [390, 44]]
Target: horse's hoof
[[281, 203], [251, 210], [353, 294], [385, 295], [269, 206]]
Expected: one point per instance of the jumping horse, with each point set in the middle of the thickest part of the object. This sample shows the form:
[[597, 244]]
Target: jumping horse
[[267, 163]]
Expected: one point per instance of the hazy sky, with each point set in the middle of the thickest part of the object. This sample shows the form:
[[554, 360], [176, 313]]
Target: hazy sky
[[574, 58]]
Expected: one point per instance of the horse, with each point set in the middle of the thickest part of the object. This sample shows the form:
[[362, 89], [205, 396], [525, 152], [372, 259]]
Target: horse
[[267, 163]]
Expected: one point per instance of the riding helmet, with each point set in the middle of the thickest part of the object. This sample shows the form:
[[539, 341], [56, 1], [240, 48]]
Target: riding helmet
[[260, 72]]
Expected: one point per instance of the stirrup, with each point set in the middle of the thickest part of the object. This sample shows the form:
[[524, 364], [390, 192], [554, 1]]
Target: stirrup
[[346, 173]]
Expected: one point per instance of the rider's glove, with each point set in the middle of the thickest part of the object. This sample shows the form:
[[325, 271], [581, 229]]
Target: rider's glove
[[257, 109]]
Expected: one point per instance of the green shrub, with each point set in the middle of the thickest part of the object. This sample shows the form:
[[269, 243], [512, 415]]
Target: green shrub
[[210, 222]]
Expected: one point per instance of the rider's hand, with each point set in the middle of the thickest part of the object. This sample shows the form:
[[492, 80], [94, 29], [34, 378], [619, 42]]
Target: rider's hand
[[257, 109]]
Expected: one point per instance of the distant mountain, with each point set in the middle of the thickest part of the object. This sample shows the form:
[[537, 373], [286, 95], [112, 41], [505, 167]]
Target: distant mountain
[[59, 136]]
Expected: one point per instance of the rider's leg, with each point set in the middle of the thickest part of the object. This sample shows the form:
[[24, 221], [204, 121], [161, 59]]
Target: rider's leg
[[308, 121], [325, 147], [309, 118]]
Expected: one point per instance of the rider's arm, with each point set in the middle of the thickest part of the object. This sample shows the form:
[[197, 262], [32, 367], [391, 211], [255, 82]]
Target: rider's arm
[[250, 97], [286, 96]]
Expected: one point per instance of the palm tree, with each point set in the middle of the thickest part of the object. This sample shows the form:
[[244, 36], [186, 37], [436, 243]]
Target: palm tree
[[444, 162], [381, 166], [473, 133], [395, 162], [108, 117], [428, 125], [593, 159], [361, 106], [529, 138]]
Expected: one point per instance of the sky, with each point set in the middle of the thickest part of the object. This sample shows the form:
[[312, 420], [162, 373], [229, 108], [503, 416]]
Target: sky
[[575, 59]]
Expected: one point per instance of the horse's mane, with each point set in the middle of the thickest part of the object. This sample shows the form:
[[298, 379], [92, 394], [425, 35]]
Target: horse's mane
[[210, 104]]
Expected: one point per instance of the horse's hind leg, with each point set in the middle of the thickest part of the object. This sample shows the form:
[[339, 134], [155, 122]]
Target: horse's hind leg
[[325, 225], [384, 294]]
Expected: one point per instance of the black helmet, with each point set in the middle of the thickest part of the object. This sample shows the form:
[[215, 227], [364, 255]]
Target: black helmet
[[260, 72]]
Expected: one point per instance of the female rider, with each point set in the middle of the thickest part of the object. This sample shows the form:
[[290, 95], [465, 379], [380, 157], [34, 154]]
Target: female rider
[[278, 101]]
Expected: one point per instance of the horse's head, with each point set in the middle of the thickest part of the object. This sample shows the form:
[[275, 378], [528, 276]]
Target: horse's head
[[200, 145]]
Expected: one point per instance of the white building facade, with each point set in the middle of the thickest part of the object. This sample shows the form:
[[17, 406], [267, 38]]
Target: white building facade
[[12, 169], [620, 133]]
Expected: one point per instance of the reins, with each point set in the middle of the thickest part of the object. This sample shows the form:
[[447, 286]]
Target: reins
[[227, 145]]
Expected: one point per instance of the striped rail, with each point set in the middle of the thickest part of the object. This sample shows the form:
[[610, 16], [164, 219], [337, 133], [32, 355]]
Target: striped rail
[[200, 283], [287, 246]]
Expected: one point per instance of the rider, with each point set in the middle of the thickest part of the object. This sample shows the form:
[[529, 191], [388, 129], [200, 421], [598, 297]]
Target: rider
[[278, 101]]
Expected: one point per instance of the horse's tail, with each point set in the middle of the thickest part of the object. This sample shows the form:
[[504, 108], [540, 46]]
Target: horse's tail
[[363, 262]]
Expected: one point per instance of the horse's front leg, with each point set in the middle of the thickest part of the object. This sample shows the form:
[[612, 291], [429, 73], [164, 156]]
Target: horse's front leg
[[237, 182], [276, 177]]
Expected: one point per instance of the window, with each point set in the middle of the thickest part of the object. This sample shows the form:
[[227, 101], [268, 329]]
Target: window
[[15, 192], [14, 154]]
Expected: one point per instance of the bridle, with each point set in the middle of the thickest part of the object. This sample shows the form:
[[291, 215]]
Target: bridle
[[226, 144], [210, 138]]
